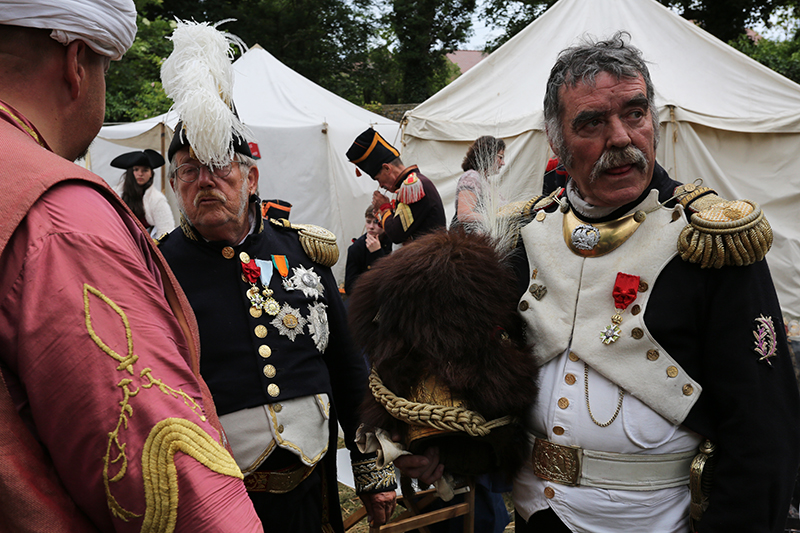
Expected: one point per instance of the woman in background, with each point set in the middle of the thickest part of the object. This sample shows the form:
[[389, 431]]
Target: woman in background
[[484, 158], [136, 190]]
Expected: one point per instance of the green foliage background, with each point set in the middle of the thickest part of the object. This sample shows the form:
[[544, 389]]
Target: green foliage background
[[389, 51]]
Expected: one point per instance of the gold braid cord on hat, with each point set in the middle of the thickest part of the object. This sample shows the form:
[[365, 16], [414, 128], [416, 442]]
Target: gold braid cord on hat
[[318, 243], [722, 232], [446, 418]]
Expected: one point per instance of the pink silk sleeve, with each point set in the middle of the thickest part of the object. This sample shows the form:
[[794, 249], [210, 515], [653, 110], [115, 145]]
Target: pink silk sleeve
[[99, 366]]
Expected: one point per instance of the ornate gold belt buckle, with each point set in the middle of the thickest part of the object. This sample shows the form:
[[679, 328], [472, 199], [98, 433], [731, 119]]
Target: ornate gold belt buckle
[[557, 463]]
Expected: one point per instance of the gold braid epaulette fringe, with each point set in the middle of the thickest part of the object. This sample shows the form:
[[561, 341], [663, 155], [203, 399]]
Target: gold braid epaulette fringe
[[722, 232], [369, 477], [318, 243], [436, 416]]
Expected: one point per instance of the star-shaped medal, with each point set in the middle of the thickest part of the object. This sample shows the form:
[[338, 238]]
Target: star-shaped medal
[[289, 322]]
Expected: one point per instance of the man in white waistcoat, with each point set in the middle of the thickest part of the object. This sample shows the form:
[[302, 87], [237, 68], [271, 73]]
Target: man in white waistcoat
[[656, 325]]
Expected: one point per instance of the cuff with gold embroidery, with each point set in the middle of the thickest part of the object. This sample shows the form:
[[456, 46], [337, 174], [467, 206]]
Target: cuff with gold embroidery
[[370, 478]]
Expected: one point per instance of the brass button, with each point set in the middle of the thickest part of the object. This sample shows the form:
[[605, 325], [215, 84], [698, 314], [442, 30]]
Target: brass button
[[261, 331], [228, 252], [573, 357], [244, 257], [636, 309], [563, 403], [264, 351], [256, 312], [643, 286], [689, 187], [538, 291], [280, 428], [637, 333], [523, 305], [558, 430], [549, 493], [540, 216], [570, 379], [688, 390], [273, 390], [652, 355], [277, 408], [269, 371], [672, 371]]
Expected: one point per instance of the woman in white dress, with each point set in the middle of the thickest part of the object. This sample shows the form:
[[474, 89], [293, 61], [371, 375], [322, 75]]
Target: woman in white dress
[[484, 158]]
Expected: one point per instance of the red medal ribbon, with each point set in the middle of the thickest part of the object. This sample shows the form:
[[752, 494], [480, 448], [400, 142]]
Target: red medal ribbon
[[625, 290], [251, 271], [281, 264]]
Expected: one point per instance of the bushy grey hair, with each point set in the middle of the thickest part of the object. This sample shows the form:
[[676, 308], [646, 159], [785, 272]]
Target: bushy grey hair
[[582, 64]]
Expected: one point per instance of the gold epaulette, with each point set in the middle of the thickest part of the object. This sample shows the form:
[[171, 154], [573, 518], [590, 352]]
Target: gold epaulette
[[318, 243], [160, 240], [721, 232]]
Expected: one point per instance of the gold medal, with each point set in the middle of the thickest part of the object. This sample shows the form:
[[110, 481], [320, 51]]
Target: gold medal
[[271, 306], [255, 312]]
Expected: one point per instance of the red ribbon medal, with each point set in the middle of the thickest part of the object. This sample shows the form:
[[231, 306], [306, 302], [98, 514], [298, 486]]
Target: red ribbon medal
[[625, 291]]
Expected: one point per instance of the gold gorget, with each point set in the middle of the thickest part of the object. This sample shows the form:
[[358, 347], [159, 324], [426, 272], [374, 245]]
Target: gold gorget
[[599, 238]]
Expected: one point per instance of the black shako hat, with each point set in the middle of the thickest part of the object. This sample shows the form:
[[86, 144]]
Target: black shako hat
[[370, 151], [179, 140], [148, 158]]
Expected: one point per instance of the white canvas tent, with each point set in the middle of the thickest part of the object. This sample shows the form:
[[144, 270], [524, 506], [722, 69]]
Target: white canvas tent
[[302, 131], [724, 117]]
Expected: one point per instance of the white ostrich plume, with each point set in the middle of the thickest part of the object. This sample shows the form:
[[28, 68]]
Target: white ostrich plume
[[198, 76]]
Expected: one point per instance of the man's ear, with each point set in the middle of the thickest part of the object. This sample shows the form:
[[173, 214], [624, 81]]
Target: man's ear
[[550, 142], [75, 67], [252, 178]]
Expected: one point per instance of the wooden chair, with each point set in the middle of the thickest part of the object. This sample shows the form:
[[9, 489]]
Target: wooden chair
[[415, 517]]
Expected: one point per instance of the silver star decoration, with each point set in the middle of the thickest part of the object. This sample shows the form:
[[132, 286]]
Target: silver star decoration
[[318, 325], [308, 281], [280, 321]]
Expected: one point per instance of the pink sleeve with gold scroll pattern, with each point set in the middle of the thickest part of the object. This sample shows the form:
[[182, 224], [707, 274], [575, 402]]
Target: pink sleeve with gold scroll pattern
[[98, 367]]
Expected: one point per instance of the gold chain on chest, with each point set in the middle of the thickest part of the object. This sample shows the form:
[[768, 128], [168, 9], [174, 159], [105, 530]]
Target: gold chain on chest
[[586, 393]]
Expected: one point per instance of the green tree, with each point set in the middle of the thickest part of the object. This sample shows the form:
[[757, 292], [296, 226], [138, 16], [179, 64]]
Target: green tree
[[324, 40], [725, 19], [781, 56], [133, 86], [426, 30], [511, 15]]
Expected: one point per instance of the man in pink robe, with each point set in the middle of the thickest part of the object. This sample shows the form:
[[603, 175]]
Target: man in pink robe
[[105, 424]]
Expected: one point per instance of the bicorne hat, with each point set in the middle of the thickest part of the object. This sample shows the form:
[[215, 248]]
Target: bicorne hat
[[147, 158]]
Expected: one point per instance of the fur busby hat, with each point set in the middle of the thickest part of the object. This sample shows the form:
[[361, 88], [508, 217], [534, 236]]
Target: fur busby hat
[[147, 158], [370, 151], [198, 76], [438, 321]]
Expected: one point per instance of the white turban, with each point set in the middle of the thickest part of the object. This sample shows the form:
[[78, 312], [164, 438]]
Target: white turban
[[107, 26]]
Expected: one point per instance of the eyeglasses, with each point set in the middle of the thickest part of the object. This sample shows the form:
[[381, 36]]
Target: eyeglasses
[[189, 172]]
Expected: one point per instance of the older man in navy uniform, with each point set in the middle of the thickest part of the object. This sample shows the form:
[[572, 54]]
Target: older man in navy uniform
[[275, 349], [417, 209]]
